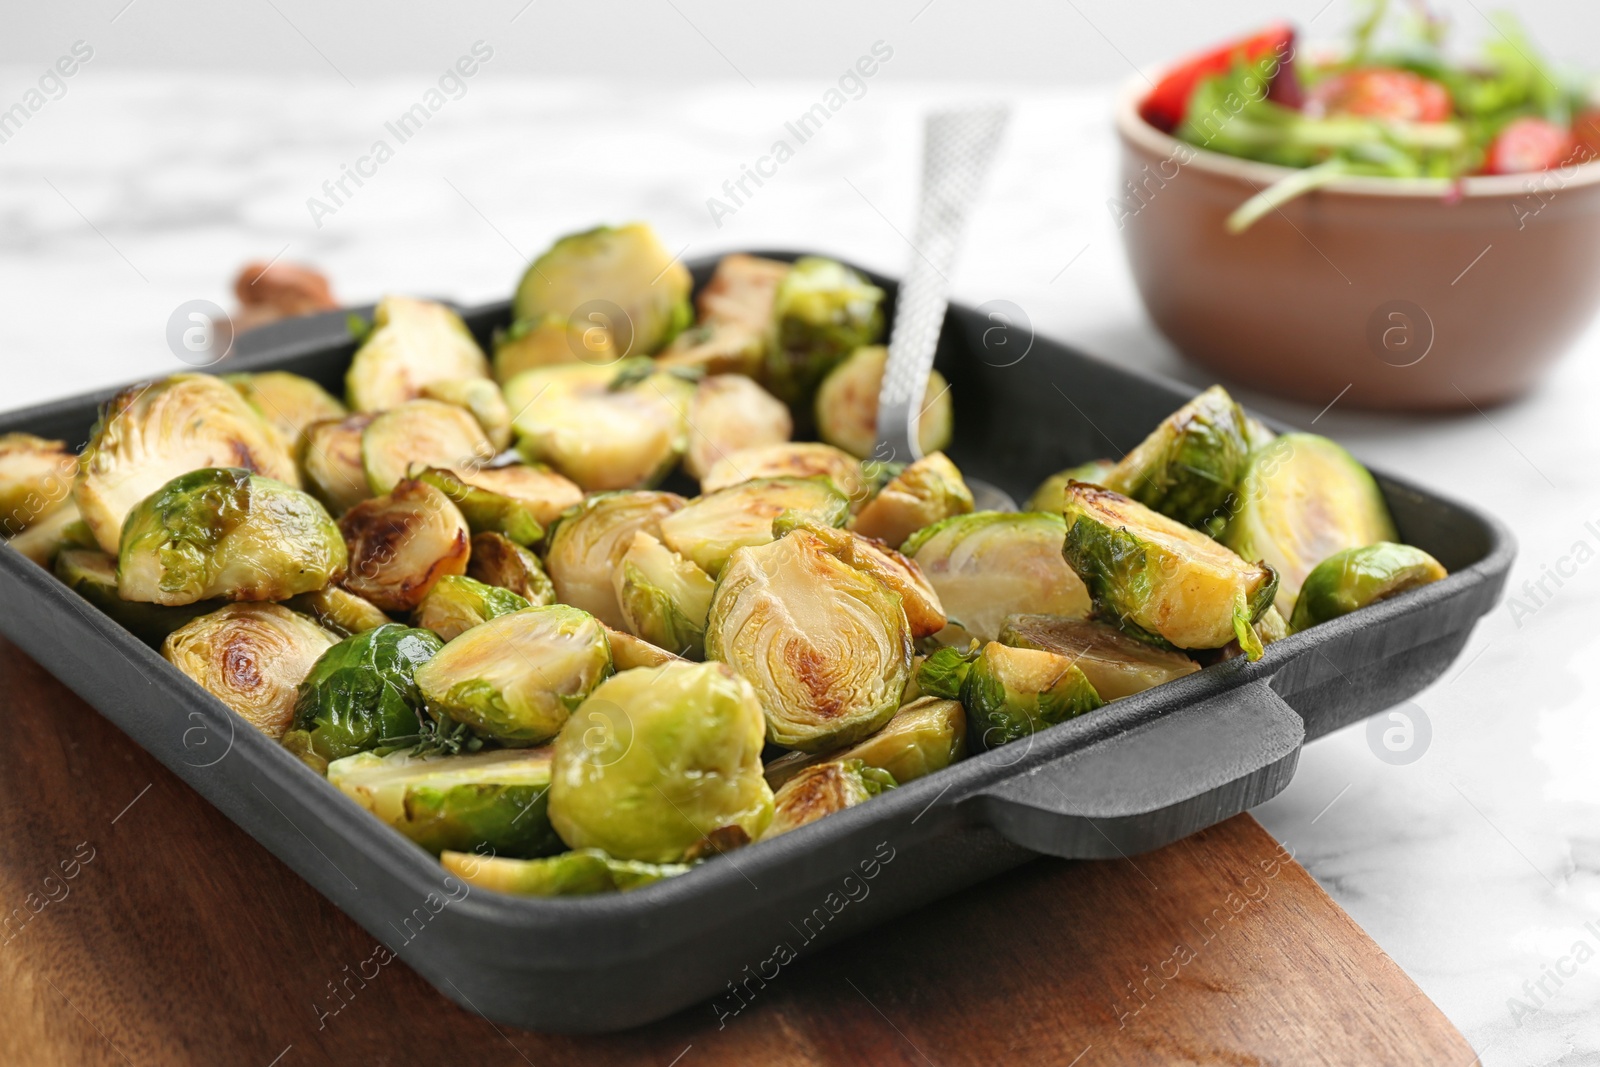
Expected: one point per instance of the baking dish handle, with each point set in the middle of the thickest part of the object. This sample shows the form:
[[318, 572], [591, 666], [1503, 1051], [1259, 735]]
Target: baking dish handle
[[1154, 784]]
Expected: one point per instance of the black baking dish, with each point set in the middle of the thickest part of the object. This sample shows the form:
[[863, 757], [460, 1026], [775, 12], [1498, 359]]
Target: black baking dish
[[1132, 776]]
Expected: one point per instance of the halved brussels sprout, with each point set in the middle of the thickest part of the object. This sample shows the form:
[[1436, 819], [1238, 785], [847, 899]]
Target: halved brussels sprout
[[924, 612], [337, 609], [541, 490], [822, 312], [730, 413], [918, 496], [92, 574], [413, 342], [1349, 580], [287, 401], [456, 604], [400, 544], [590, 541], [1051, 494], [549, 340], [990, 564], [603, 427], [742, 289], [494, 800], [482, 399], [847, 405], [658, 758], [621, 278], [1302, 498], [485, 510], [497, 560], [44, 539], [1160, 580], [827, 648], [252, 657], [1189, 465], [362, 694], [628, 652], [569, 874], [664, 598], [518, 677], [925, 735], [36, 478], [1115, 664], [709, 529], [149, 434], [1014, 692], [718, 348], [802, 459], [224, 532], [822, 790], [421, 433], [330, 462]]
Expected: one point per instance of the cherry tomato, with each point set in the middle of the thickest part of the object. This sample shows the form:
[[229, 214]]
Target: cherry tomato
[[1165, 105], [1527, 145], [1382, 93]]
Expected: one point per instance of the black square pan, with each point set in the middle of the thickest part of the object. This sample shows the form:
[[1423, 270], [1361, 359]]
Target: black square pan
[[1139, 773]]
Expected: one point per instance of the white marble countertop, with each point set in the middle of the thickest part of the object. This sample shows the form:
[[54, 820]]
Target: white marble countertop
[[1476, 867]]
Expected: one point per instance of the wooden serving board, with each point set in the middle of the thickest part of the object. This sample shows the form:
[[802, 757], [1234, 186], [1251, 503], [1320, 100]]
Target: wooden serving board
[[144, 928]]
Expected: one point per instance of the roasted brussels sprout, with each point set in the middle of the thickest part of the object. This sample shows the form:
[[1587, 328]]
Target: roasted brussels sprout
[[252, 657], [1013, 692], [924, 612], [1356, 577], [482, 399], [827, 648], [822, 790], [400, 544], [456, 604], [517, 678], [362, 694], [1189, 465], [413, 342], [92, 574], [493, 800], [1115, 664], [45, 538], [1160, 580], [578, 873], [925, 735], [497, 560], [847, 405], [603, 427], [990, 564], [944, 673], [36, 478], [1050, 496], [552, 339], [803, 459], [589, 543], [709, 529], [420, 433], [224, 532], [1303, 498], [620, 278], [729, 413], [287, 401], [735, 313], [149, 434], [541, 490], [337, 609], [658, 758], [485, 510], [664, 598], [628, 652], [330, 462], [821, 313], [1272, 626], [918, 496]]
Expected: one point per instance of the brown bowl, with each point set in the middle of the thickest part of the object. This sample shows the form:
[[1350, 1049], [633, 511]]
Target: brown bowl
[[1393, 294]]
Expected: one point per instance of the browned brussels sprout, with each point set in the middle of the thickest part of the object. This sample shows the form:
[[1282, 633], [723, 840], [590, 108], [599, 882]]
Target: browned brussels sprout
[[400, 544]]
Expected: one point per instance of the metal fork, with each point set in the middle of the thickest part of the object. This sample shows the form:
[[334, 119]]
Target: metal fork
[[958, 146]]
